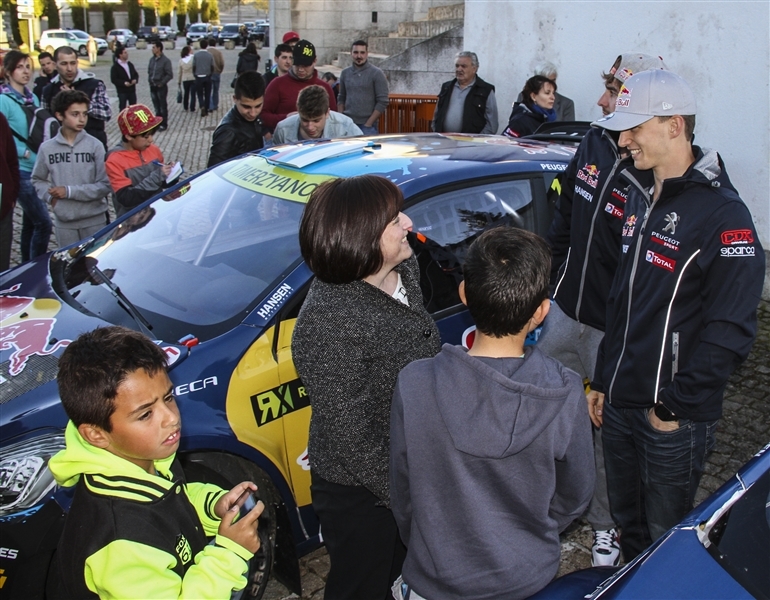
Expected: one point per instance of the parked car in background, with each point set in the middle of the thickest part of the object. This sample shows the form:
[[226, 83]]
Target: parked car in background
[[76, 39], [215, 31], [124, 37], [197, 31], [181, 268], [101, 44], [166, 33], [260, 33], [148, 33], [235, 32]]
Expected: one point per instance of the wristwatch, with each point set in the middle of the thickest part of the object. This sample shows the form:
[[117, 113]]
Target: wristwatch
[[663, 413]]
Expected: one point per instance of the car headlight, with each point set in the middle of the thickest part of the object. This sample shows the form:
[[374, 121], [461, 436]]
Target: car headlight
[[24, 474]]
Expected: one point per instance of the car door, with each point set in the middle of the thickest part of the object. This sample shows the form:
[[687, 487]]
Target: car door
[[446, 221]]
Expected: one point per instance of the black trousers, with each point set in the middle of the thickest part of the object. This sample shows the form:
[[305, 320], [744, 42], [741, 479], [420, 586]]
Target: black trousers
[[126, 98], [203, 91], [158, 95], [365, 550]]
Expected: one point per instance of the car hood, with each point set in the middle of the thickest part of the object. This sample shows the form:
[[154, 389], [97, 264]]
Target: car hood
[[35, 328]]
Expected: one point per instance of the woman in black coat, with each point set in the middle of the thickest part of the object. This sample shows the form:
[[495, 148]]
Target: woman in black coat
[[124, 77], [363, 321], [539, 95], [248, 59]]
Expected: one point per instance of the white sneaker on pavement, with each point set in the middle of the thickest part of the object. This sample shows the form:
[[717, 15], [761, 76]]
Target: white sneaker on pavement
[[605, 551]]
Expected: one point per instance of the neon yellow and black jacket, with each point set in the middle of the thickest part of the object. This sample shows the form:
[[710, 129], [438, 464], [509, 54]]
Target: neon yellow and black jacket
[[130, 534]]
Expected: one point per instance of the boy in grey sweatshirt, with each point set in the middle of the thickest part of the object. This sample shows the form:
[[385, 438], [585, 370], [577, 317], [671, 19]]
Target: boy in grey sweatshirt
[[69, 172], [491, 454]]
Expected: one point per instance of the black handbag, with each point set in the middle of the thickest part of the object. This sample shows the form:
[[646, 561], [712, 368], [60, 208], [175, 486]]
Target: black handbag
[[179, 95]]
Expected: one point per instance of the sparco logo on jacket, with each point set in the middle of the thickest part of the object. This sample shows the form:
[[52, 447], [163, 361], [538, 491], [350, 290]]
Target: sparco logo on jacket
[[660, 261], [589, 174]]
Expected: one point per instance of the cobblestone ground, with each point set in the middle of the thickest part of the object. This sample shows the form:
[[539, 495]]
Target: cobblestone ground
[[744, 429]]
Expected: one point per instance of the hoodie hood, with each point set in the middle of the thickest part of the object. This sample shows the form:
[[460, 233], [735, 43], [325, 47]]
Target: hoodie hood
[[498, 416], [80, 457], [81, 75]]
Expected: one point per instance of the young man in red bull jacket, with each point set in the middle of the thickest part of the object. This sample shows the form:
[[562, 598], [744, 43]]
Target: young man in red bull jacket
[[585, 241], [681, 313]]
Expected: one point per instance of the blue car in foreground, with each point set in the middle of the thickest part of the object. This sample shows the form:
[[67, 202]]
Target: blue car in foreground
[[211, 270], [720, 550]]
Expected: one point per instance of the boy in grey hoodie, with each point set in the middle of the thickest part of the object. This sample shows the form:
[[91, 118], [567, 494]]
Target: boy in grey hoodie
[[69, 172], [491, 448]]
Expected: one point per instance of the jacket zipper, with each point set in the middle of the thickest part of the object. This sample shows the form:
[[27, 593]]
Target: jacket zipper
[[591, 230], [674, 354]]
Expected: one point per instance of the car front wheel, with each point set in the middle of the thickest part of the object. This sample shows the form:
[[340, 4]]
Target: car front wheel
[[228, 471], [83, 51]]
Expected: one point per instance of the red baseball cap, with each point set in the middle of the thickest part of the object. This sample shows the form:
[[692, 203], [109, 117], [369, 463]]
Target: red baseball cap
[[137, 119], [290, 36]]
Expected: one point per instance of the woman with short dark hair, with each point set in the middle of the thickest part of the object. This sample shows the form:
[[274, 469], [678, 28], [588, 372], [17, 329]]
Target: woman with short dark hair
[[539, 95], [362, 322]]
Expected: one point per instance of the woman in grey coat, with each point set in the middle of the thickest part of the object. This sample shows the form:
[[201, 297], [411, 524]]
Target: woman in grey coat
[[362, 322]]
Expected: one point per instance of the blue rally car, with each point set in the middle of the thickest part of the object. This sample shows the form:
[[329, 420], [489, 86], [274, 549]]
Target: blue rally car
[[212, 271]]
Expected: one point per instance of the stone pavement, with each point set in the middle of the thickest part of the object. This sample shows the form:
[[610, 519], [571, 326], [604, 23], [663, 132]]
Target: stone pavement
[[744, 429]]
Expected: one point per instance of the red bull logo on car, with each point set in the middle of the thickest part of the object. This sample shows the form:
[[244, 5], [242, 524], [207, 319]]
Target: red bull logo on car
[[26, 327]]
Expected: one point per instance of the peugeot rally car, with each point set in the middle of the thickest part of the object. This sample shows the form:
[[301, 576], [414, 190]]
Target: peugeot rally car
[[211, 270]]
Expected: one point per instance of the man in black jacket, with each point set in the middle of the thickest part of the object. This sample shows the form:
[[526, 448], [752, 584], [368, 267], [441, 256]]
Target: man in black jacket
[[240, 130], [467, 104], [585, 244], [681, 312]]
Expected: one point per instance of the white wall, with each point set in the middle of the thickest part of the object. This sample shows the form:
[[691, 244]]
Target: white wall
[[720, 48]]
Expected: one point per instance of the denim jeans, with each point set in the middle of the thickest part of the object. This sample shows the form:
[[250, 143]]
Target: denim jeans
[[652, 475], [36, 223], [189, 95], [214, 104], [203, 91], [373, 130], [159, 94]]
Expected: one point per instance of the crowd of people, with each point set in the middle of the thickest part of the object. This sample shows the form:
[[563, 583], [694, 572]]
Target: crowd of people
[[437, 472]]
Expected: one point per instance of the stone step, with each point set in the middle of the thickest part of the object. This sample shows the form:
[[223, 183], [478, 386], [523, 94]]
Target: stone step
[[450, 11], [392, 44], [345, 60], [427, 29]]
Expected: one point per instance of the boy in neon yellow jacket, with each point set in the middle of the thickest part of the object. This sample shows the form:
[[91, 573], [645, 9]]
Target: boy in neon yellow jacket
[[136, 528]]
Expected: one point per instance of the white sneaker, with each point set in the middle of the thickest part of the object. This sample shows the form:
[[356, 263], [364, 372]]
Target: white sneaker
[[605, 551]]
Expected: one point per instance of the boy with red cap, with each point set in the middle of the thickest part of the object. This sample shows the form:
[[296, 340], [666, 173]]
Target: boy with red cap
[[135, 167]]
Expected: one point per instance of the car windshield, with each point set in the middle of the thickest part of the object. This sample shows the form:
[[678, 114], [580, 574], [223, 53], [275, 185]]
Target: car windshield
[[198, 28], [80, 34], [740, 540], [197, 260], [231, 28]]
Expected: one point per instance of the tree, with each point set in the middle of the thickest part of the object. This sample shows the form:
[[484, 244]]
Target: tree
[[181, 15], [192, 10], [164, 11], [79, 10], [54, 22], [213, 11], [205, 11], [134, 14], [149, 16], [13, 11], [109, 17]]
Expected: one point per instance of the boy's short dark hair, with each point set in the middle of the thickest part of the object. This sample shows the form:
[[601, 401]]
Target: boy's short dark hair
[[363, 43], [43, 55], [343, 222], [281, 48], [204, 43], [93, 367], [249, 84], [312, 102], [158, 44], [506, 277], [62, 50], [66, 98]]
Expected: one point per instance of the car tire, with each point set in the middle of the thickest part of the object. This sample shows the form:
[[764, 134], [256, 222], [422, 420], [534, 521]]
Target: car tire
[[227, 471], [83, 51], [49, 49]]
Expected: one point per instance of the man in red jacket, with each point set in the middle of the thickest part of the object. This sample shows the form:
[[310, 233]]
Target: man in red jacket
[[281, 95]]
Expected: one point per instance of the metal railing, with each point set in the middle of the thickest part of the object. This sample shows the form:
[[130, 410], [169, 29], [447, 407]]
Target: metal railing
[[408, 113]]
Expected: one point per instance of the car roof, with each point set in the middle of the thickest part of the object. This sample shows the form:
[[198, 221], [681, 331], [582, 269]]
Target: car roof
[[417, 162]]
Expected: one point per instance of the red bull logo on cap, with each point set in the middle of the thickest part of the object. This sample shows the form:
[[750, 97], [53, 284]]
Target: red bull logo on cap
[[624, 97], [26, 326]]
